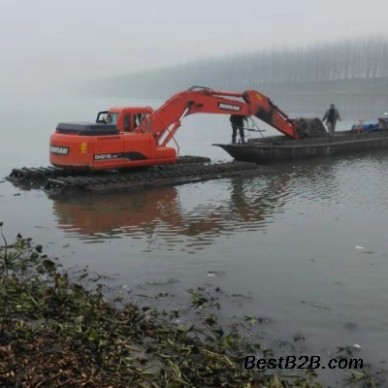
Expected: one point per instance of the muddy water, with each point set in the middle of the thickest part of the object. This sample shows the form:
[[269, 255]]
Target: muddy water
[[303, 245]]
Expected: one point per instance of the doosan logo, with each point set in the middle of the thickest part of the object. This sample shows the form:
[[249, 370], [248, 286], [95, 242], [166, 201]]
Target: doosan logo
[[59, 150], [223, 105]]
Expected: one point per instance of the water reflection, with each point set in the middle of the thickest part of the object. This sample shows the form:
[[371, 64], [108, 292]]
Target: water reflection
[[196, 215], [193, 214]]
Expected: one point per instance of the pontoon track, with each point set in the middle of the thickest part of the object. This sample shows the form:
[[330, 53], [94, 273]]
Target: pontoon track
[[56, 181]]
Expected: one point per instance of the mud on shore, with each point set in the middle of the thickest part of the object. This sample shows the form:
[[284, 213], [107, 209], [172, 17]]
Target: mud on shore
[[54, 331]]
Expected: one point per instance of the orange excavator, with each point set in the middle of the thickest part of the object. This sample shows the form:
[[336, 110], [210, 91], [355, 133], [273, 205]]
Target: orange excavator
[[139, 136]]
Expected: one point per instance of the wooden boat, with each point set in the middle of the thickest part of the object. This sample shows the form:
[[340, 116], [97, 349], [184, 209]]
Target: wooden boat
[[282, 148]]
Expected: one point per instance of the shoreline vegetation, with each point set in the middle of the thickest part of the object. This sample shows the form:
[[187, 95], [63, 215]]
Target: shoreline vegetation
[[55, 332]]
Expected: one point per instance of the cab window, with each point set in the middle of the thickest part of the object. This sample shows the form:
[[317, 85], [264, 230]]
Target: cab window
[[127, 122], [106, 117]]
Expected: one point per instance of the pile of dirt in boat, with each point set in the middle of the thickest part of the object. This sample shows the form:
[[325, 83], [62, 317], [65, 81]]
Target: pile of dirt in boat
[[311, 128]]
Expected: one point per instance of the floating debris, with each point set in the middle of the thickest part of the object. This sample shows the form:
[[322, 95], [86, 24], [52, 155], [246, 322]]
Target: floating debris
[[299, 337], [162, 282]]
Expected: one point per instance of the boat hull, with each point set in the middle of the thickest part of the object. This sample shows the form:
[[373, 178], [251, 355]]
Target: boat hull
[[281, 148]]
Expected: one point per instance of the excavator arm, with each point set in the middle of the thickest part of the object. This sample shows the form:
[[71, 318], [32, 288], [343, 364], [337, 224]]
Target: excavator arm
[[165, 121], [264, 109], [271, 114]]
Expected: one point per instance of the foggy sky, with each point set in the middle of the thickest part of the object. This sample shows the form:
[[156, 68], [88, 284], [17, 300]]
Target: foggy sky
[[48, 45]]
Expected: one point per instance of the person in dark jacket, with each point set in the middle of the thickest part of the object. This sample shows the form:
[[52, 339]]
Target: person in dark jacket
[[331, 117], [237, 122]]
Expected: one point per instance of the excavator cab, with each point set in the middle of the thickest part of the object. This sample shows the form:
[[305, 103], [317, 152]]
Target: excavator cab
[[126, 119], [112, 142]]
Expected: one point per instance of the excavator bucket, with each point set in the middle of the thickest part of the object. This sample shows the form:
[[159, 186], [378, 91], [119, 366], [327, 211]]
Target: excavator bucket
[[310, 127]]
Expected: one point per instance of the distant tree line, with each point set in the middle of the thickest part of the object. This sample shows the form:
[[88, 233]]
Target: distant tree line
[[345, 60], [326, 62]]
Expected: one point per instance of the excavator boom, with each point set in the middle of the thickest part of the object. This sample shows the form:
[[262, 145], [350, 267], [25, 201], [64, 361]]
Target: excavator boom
[[206, 100]]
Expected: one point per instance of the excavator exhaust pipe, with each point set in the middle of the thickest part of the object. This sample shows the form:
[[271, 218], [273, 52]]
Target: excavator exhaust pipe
[[309, 127]]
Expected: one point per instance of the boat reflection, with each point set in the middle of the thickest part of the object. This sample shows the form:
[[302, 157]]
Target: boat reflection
[[199, 213]]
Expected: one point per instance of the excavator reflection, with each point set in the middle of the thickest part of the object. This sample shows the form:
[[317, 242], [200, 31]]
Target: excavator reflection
[[169, 213]]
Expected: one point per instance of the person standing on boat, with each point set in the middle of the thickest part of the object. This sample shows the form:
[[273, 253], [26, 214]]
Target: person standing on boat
[[237, 122], [331, 117]]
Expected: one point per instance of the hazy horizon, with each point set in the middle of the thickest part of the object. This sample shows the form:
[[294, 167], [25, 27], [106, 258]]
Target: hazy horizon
[[47, 47]]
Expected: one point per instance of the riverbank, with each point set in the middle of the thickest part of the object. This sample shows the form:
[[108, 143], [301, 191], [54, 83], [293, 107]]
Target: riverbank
[[56, 332]]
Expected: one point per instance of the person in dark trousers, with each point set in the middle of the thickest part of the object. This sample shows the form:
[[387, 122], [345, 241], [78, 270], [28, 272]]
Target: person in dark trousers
[[237, 122], [331, 117]]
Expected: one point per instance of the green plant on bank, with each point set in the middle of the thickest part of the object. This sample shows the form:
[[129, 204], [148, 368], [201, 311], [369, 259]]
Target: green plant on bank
[[55, 333], [364, 379]]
